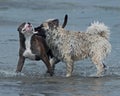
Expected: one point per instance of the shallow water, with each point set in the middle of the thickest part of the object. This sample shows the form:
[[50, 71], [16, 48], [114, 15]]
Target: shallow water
[[33, 81]]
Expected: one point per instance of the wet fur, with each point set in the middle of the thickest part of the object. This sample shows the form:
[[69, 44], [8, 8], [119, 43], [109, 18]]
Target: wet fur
[[69, 46]]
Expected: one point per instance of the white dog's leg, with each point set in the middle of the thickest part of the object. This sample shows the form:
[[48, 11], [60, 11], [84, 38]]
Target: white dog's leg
[[69, 65], [100, 69], [53, 62], [69, 69], [99, 65]]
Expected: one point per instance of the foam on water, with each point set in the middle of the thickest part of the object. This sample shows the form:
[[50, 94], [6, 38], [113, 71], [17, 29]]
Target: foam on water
[[5, 73]]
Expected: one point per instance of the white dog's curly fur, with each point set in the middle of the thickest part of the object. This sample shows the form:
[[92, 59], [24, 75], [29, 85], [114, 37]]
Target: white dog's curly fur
[[69, 46]]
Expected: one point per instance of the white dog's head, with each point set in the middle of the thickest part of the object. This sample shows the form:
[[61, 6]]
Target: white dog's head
[[50, 24], [47, 27]]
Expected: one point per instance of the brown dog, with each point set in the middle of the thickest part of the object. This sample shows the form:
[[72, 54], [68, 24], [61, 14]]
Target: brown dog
[[33, 46]]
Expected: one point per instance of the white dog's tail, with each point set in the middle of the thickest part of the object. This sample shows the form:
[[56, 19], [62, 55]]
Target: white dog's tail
[[100, 29]]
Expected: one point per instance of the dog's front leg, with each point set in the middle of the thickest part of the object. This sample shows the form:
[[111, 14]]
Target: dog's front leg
[[20, 61], [69, 65], [69, 69], [48, 65], [53, 62]]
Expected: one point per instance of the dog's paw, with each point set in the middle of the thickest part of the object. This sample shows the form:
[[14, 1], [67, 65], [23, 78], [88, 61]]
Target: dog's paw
[[51, 73], [93, 75], [68, 75], [97, 75], [20, 74]]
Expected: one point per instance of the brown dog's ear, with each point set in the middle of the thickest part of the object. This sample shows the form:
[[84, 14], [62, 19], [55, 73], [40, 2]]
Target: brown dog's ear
[[21, 26], [18, 29], [53, 23]]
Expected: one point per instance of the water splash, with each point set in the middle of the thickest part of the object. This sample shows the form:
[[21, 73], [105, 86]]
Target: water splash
[[5, 73]]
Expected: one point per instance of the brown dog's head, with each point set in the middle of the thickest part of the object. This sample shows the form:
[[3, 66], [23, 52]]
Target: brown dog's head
[[26, 29]]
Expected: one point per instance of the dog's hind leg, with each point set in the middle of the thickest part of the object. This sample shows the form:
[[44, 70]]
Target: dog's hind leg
[[100, 69], [99, 65]]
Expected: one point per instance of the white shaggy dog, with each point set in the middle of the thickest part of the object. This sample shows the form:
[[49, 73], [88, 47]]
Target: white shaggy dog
[[68, 46]]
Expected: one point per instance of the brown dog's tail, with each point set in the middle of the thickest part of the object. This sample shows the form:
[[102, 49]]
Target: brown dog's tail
[[65, 21]]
